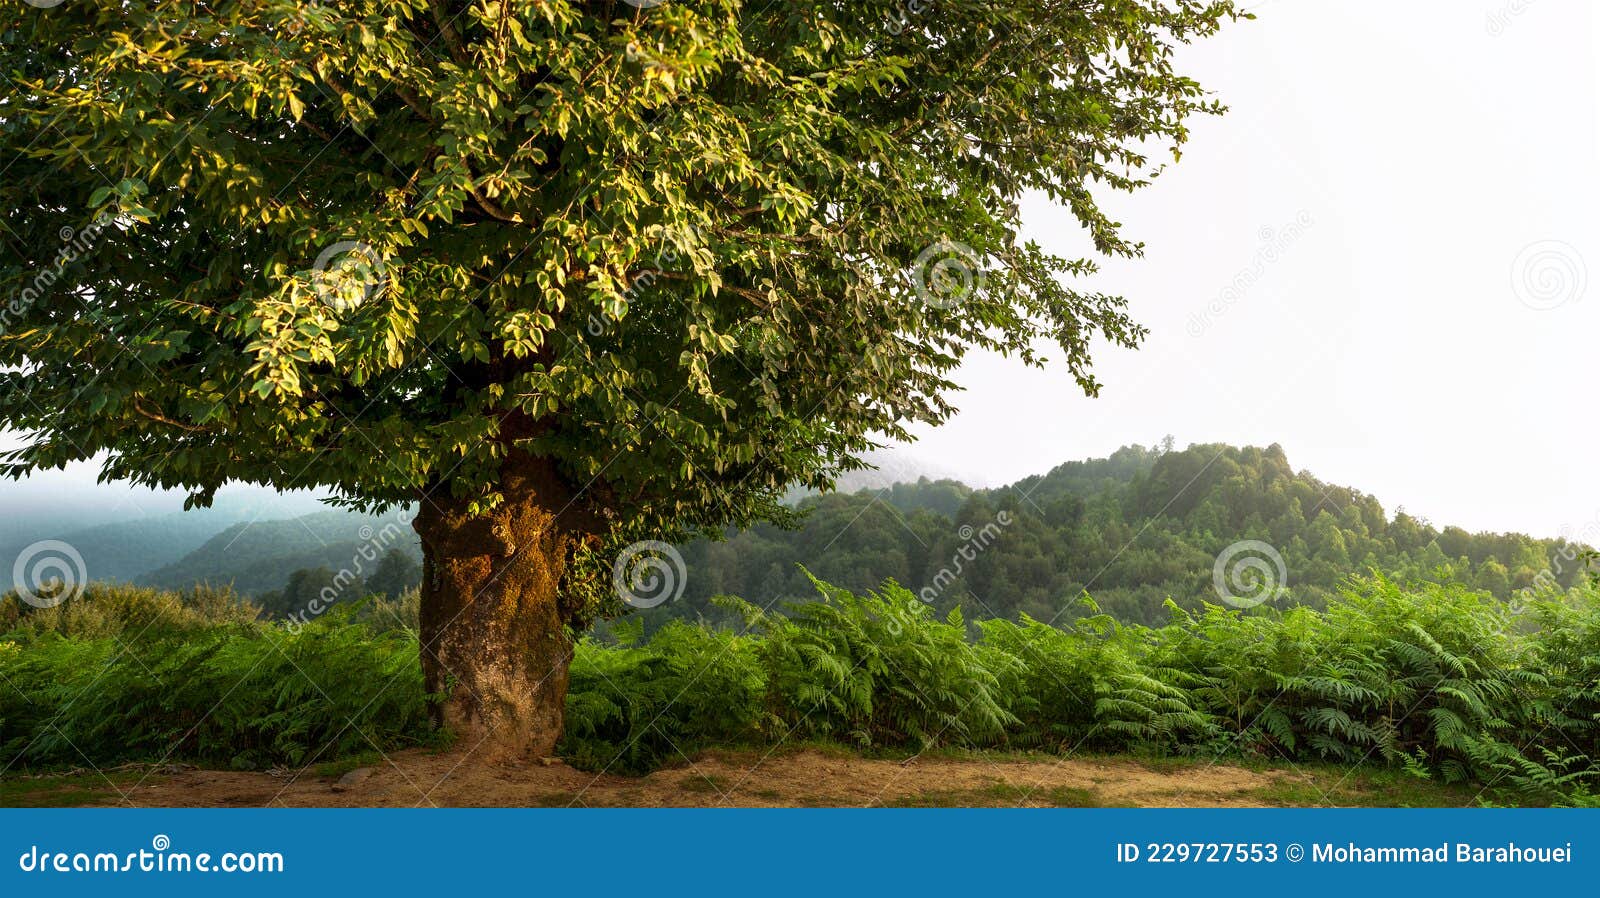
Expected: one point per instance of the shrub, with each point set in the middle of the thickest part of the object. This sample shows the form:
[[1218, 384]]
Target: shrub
[[246, 695], [105, 610], [1439, 680], [631, 707], [878, 669]]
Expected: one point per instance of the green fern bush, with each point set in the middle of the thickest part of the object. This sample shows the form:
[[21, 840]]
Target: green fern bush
[[632, 707], [241, 694], [878, 669], [1438, 680], [1091, 686]]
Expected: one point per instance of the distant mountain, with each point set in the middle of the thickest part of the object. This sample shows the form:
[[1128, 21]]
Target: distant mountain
[[53, 503], [255, 537], [259, 556], [1133, 529], [122, 539]]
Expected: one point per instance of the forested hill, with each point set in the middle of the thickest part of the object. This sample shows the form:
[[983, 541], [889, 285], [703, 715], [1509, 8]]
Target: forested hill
[[1132, 530]]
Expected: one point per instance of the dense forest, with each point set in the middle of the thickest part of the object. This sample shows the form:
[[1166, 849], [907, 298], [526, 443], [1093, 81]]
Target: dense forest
[[1133, 530]]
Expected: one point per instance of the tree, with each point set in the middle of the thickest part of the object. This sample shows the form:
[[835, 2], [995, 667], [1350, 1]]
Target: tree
[[310, 592], [396, 573], [559, 275]]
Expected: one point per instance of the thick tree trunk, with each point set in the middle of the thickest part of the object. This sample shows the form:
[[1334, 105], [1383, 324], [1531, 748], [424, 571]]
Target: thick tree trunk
[[493, 637]]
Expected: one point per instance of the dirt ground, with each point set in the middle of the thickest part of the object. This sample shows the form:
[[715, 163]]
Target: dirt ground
[[806, 778]]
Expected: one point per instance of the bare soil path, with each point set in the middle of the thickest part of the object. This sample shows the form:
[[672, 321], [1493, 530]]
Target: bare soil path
[[795, 776], [807, 777]]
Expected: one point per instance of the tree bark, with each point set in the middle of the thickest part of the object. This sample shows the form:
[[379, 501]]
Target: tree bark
[[494, 641]]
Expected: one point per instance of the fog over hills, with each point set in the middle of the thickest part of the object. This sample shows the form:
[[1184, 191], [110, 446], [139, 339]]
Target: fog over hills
[[124, 531], [251, 536], [257, 557], [1135, 529]]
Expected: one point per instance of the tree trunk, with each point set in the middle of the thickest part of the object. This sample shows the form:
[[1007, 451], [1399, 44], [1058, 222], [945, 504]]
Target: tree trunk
[[494, 644]]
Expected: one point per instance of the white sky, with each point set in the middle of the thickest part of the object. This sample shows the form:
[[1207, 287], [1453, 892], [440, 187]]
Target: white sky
[[1385, 344]]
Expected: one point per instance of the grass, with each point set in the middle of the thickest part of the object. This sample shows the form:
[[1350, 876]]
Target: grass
[[999, 794], [1310, 785], [696, 782], [1282, 784], [344, 765], [68, 791], [1344, 787], [554, 800]]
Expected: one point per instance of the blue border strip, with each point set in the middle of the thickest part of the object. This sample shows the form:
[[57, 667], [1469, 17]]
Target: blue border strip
[[796, 852]]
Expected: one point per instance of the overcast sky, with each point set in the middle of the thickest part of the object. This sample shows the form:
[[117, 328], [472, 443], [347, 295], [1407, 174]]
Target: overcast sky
[[1377, 259]]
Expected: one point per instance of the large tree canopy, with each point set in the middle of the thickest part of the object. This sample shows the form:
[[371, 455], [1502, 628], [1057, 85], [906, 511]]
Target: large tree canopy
[[663, 259]]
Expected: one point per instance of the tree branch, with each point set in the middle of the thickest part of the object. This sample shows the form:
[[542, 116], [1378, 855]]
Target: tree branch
[[159, 418]]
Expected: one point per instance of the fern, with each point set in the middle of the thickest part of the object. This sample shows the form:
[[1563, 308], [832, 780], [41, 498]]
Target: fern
[[1432, 679]]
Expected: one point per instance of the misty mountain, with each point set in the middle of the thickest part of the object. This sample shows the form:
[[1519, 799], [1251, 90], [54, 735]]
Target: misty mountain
[[258, 557], [122, 534], [1133, 529]]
